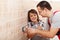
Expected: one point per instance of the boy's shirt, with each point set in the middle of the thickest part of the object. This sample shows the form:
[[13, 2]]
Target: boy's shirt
[[40, 23]]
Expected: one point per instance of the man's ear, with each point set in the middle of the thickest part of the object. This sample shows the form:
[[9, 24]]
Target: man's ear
[[45, 9]]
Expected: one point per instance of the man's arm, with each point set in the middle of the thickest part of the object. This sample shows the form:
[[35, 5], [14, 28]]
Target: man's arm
[[48, 34]]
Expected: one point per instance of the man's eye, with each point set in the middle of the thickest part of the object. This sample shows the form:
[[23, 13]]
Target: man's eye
[[39, 12]]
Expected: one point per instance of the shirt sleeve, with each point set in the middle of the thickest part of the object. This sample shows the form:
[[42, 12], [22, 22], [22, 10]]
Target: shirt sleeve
[[56, 20]]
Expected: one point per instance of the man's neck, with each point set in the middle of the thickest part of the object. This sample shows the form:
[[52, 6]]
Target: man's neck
[[50, 14]]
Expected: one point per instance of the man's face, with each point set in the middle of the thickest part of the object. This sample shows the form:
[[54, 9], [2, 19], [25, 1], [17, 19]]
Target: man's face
[[43, 12]]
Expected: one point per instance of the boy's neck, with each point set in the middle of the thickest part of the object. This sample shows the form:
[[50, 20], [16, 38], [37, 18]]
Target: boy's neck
[[35, 22]]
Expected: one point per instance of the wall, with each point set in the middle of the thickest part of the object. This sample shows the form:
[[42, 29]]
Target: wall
[[10, 20]]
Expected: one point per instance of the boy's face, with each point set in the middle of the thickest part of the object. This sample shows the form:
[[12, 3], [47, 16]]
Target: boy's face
[[43, 12], [33, 17]]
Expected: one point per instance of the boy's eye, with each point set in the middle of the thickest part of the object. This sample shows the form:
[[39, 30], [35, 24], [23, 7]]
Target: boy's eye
[[35, 15], [31, 16]]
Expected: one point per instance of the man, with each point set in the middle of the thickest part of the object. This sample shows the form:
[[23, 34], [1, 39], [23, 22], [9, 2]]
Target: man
[[44, 10]]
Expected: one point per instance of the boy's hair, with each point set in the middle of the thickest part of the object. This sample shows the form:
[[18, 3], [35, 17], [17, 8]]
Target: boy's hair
[[34, 12], [44, 4]]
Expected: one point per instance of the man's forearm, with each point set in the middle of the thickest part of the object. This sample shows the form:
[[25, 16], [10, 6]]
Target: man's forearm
[[44, 33], [47, 34]]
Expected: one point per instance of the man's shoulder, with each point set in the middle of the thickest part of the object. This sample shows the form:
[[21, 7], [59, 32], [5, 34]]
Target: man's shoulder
[[57, 14]]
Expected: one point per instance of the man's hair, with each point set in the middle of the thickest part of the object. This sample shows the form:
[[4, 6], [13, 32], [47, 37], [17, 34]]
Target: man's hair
[[44, 4]]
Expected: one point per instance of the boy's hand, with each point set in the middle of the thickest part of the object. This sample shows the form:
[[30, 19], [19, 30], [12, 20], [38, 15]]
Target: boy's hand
[[31, 32]]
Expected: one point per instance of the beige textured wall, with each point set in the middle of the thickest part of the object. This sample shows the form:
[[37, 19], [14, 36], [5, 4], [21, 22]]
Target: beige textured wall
[[11, 18]]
